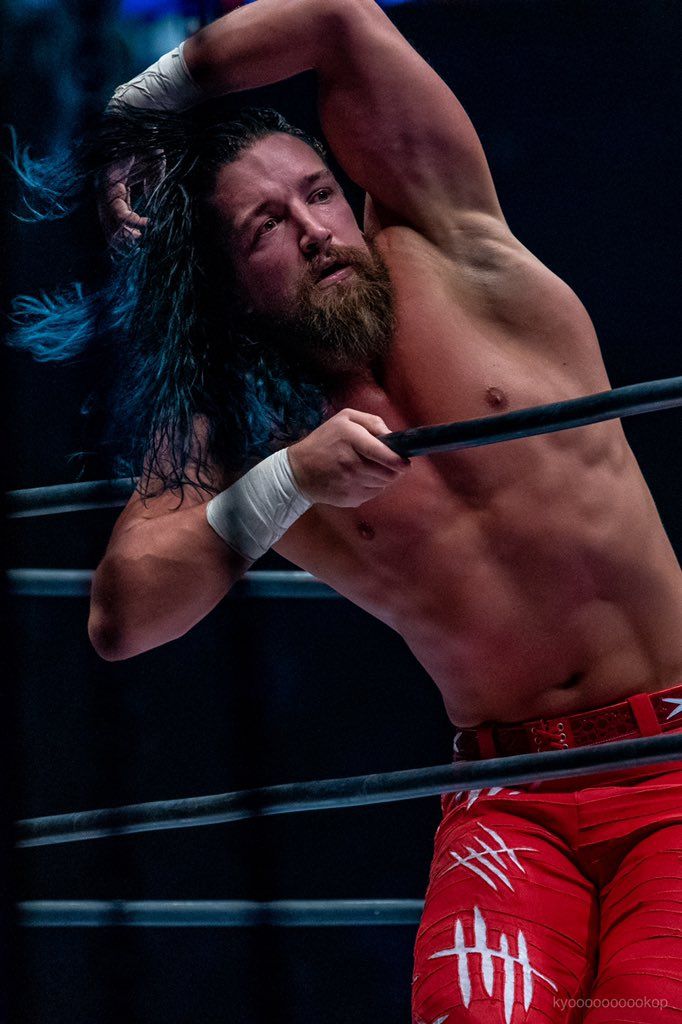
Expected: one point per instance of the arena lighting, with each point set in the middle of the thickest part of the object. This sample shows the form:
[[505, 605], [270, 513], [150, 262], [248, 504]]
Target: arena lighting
[[189, 8]]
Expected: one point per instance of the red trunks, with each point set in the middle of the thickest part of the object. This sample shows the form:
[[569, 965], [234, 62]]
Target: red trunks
[[556, 902]]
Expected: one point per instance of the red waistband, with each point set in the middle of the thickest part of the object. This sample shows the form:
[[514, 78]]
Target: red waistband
[[643, 714]]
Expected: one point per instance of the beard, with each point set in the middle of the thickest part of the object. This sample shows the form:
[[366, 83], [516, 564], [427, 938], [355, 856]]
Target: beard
[[337, 330]]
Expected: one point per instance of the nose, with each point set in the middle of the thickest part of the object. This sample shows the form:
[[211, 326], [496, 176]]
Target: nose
[[315, 236]]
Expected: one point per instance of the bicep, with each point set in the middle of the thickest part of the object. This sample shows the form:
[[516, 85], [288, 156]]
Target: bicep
[[391, 121], [398, 130]]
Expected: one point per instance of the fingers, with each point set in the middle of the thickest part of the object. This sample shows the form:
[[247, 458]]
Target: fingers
[[118, 208], [343, 462], [121, 213], [123, 236], [121, 225], [376, 473], [365, 440], [130, 225], [368, 420]]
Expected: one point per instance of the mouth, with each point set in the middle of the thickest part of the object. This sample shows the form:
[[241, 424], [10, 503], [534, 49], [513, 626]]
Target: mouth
[[332, 273]]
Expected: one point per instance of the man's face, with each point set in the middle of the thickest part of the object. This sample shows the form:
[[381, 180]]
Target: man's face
[[307, 281], [284, 212]]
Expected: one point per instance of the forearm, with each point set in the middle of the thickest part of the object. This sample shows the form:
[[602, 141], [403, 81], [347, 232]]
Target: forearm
[[265, 42], [157, 580], [164, 572]]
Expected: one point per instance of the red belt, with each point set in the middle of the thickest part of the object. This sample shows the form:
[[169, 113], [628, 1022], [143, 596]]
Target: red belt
[[643, 714]]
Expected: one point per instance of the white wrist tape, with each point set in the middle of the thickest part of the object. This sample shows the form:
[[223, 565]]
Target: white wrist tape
[[259, 508], [165, 85]]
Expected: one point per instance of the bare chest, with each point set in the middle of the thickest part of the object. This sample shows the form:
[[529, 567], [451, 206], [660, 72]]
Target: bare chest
[[458, 353]]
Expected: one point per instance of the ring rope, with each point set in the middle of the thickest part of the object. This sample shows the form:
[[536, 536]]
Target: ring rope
[[356, 791], [650, 396], [217, 913], [263, 583], [58, 498]]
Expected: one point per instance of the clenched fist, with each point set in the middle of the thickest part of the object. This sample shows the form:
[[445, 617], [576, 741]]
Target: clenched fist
[[343, 463]]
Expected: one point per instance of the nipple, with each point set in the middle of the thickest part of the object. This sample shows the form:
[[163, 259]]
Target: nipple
[[365, 530], [496, 398]]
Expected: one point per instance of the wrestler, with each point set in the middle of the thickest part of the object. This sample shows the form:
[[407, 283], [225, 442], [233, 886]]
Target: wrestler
[[533, 579]]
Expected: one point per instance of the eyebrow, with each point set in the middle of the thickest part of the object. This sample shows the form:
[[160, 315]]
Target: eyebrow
[[305, 182]]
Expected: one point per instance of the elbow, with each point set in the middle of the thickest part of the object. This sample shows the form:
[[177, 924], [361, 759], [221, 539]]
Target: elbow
[[108, 637], [110, 622], [351, 14]]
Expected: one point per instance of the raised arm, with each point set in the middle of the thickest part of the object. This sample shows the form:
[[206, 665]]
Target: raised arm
[[393, 124]]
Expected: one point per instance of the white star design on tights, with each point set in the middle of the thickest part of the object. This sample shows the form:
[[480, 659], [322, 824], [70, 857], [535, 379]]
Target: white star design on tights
[[677, 710]]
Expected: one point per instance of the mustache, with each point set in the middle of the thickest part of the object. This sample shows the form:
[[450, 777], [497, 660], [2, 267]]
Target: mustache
[[343, 254]]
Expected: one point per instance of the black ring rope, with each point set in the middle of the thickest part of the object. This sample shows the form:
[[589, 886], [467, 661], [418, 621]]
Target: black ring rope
[[58, 498], [651, 396], [342, 793], [633, 399]]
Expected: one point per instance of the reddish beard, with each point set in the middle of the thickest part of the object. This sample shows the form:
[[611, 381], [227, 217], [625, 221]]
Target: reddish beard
[[344, 326]]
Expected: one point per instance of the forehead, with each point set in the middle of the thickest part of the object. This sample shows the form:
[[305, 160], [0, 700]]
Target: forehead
[[271, 167]]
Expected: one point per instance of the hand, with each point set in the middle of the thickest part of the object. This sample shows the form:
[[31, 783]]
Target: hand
[[342, 463], [122, 226]]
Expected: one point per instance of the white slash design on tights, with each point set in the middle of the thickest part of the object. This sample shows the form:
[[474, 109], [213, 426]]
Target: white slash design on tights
[[488, 956], [489, 860], [472, 795]]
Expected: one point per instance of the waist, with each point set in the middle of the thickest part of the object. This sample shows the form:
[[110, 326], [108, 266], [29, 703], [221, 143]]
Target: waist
[[642, 714]]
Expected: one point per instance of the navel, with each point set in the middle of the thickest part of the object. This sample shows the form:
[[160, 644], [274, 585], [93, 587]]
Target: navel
[[572, 681]]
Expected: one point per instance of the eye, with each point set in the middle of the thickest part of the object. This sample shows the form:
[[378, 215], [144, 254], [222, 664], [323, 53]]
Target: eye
[[267, 226], [322, 194]]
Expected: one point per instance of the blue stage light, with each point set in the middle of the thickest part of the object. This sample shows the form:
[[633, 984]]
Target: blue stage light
[[185, 8]]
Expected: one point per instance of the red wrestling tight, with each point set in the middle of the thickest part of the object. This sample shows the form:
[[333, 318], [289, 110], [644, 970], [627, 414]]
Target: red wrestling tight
[[556, 902]]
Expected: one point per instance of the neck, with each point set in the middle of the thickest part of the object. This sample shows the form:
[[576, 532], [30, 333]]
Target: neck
[[344, 388]]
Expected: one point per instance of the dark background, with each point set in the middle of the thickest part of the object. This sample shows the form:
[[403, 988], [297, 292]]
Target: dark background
[[577, 104]]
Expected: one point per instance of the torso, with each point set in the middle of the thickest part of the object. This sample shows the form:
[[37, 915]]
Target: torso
[[531, 578]]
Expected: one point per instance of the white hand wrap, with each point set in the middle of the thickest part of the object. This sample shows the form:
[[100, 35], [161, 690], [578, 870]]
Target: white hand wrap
[[165, 85], [259, 508]]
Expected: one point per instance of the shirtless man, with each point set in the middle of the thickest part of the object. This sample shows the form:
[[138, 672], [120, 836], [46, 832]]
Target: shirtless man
[[533, 580]]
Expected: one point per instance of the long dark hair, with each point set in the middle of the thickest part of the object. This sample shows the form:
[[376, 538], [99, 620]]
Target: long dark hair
[[165, 316]]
